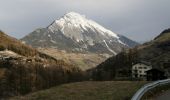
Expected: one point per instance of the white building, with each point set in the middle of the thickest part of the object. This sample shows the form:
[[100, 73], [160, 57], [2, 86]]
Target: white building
[[139, 69]]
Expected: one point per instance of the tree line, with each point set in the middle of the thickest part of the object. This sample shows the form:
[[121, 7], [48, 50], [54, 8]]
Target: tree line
[[22, 78]]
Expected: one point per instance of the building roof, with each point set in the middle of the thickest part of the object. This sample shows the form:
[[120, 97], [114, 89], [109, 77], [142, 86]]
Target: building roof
[[156, 70], [143, 62]]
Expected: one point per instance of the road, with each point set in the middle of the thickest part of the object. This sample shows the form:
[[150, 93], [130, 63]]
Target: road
[[164, 96]]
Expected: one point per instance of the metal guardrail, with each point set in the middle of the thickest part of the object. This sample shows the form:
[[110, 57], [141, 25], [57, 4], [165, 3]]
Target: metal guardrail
[[138, 95]]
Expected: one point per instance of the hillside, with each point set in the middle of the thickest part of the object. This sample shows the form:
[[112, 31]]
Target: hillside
[[109, 90], [13, 44], [83, 61], [24, 69], [164, 35], [157, 52], [8, 43]]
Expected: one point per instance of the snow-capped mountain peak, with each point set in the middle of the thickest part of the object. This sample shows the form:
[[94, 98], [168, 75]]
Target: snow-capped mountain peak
[[76, 22], [75, 32]]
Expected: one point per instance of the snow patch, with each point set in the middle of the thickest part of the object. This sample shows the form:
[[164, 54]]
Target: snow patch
[[103, 30], [109, 48], [121, 42], [53, 41], [49, 35]]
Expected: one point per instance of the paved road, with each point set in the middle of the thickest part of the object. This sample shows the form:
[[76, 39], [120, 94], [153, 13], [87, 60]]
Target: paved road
[[164, 96]]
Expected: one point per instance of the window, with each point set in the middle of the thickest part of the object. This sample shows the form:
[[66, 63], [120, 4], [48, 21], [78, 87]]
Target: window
[[144, 72], [134, 67], [140, 71]]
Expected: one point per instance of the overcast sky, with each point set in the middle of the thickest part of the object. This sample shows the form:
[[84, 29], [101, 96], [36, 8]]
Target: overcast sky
[[140, 20]]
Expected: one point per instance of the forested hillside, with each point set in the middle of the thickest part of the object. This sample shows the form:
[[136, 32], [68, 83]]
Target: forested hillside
[[157, 52], [24, 69]]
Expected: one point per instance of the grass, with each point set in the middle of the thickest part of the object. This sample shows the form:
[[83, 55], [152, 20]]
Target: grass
[[108, 90], [156, 92], [164, 37]]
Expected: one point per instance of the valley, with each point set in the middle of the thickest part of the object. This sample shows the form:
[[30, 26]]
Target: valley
[[84, 61], [76, 58], [52, 73]]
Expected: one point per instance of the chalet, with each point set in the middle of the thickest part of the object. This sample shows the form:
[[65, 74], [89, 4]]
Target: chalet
[[139, 69], [155, 74]]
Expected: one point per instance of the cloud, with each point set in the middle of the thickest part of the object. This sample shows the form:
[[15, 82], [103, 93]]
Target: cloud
[[137, 19]]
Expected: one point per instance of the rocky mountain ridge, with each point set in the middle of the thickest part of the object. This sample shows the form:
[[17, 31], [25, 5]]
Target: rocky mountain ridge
[[74, 32]]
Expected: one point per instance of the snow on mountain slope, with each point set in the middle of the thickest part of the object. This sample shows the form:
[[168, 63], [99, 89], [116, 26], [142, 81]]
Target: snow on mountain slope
[[75, 21], [109, 48], [77, 33]]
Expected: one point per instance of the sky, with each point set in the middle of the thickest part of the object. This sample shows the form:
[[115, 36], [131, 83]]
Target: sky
[[139, 20]]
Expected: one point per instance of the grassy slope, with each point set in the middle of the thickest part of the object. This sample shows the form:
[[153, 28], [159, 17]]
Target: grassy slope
[[159, 39], [156, 50], [7, 42], [156, 92], [164, 37], [83, 61], [108, 90]]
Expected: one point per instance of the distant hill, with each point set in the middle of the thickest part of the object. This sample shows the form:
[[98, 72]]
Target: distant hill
[[164, 32], [156, 51], [84, 61], [23, 69]]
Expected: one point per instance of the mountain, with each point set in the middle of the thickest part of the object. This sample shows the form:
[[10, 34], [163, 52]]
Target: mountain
[[157, 52], [24, 69], [74, 32]]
